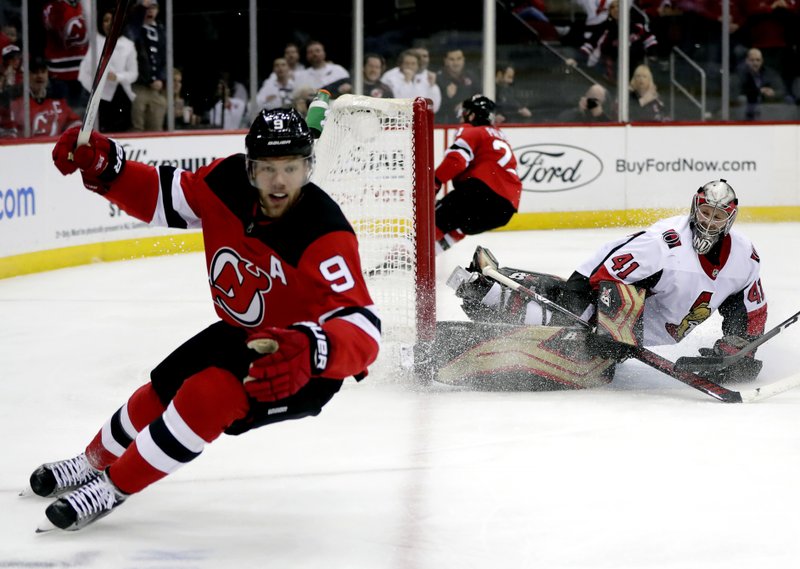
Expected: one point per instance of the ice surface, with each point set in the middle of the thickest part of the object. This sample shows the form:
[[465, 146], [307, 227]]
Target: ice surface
[[645, 473]]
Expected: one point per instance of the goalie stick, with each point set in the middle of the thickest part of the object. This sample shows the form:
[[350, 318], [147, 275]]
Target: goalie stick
[[89, 116], [716, 363], [489, 267]]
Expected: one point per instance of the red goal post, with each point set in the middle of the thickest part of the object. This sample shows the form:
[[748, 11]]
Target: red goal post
[[375, 158]]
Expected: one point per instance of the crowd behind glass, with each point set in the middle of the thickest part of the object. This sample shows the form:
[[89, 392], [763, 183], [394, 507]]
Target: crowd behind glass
[[556, 61]]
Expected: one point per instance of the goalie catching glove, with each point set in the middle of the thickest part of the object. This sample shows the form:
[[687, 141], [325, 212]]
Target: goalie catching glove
[[100, 161], [290, 358], [746, 369]]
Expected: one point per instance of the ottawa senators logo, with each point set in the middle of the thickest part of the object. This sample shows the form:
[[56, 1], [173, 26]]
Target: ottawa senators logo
[[697, 315], [238, 287]]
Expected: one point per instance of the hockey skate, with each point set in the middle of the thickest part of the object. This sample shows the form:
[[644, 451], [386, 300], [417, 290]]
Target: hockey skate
[[83, 506], [53, 479]]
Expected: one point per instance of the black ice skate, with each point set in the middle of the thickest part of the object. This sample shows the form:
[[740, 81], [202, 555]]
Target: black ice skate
[[83, 506], [53, 479]]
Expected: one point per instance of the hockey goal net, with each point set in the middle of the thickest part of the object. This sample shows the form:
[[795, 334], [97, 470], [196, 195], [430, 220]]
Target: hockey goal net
[[375, 158]]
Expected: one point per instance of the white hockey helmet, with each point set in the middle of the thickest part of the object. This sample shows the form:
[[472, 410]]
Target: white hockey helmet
[[713, 212]]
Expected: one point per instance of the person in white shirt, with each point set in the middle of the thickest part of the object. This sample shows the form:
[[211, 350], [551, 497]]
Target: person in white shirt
[[276, 91], [229, 112], [114, 112], [321, 74], [407, 82]]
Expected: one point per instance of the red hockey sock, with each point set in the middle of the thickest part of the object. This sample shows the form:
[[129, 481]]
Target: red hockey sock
[[205, 405], [119, 431]]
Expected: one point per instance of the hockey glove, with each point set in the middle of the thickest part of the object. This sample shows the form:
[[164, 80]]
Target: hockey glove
[[746, 369], [290, 357], [100, 161]]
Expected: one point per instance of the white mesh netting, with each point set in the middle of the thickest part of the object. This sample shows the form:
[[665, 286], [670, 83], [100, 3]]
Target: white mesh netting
[[365, 161]]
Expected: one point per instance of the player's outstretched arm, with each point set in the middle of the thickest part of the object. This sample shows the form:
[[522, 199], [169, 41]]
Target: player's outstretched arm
[[133, 186]]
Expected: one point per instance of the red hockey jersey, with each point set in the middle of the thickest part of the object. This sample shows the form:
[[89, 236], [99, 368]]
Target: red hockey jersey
[[49, 117], [304, 266], [66, 41], [482, 152]]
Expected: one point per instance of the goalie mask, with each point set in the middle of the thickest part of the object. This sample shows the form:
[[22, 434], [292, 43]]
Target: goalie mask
[[481, 108], [713, 212], [277, 133]]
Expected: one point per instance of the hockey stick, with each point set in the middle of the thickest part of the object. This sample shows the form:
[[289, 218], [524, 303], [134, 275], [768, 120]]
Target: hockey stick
[[89, 116], [489, 267], [716, 363]]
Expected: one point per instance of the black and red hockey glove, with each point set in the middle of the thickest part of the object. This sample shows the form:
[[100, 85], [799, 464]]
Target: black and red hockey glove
[[290, 358], [100, 161], [746, 369]]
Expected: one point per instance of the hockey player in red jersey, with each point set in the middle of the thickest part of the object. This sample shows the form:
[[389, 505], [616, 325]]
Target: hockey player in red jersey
[[48, 116], [670, 278], [295, 316], [483, 169], [66, 44]]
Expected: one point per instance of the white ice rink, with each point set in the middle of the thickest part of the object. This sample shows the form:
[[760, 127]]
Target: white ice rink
[[645, 473]]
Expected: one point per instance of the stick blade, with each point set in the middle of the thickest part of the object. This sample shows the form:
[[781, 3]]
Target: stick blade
[[483, 259]]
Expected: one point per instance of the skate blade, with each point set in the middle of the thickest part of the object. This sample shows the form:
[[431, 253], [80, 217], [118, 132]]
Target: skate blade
[[45, 526], [27, 492]]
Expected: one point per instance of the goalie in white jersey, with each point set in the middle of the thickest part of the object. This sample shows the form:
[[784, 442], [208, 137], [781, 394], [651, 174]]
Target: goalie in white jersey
[[671, 277]]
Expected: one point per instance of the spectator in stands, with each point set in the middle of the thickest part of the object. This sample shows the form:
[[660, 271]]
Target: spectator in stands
[[532, 12], [321, 74], [456, 84], [425, 75], [509, 107], [645, 104], [291, 53], [11, 69], [114, 112], [601, 48], [6, 127], [66, 44], [591, 107], [48, 116], [149, 36], [228, 113], [406, 82], [8, 34], [276, 91], [772, 27], [757, 84], [374, 66], [184, 112]]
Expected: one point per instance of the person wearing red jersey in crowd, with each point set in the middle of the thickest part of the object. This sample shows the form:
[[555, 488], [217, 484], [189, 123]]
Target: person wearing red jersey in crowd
[[66, 44], [483, 169], [295, 315], [670, 278], [49, 116]]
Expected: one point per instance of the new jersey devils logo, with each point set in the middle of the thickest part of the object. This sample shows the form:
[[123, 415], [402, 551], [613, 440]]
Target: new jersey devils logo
[[238, 286], [75, 32]]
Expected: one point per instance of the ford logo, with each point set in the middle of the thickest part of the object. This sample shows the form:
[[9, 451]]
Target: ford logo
[[556, 167]]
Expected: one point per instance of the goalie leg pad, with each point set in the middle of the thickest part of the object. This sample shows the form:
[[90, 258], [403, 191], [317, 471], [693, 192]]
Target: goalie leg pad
[[516, 358]]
